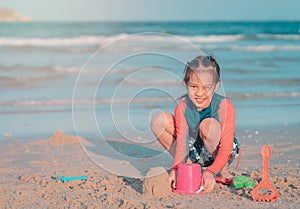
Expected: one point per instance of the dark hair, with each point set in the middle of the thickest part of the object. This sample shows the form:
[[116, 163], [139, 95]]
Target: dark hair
[[202, 64]]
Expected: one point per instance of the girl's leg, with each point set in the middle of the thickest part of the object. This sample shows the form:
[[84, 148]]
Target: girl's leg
[[210, 133], [162, 125]]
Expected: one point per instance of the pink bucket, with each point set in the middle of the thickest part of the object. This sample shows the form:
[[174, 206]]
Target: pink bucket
[[189, 179]]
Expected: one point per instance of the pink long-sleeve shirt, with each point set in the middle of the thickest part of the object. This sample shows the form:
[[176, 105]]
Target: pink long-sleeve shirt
[[226, 117]]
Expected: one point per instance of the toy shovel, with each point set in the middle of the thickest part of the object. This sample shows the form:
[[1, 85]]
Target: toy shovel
[[264, 192]]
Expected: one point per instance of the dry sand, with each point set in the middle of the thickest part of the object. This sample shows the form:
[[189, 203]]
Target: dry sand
[[27, 168]]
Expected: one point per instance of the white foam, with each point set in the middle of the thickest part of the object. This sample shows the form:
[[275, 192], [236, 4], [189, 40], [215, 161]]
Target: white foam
[[89, 102], [122, 38], [264, 95], [294, 37], [86, 40], [165, 81], [60, 102], [261, 48], [135, 42], [215, 38]]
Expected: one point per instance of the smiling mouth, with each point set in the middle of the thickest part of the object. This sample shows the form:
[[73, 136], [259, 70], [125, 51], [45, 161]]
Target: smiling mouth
[[199, 100]]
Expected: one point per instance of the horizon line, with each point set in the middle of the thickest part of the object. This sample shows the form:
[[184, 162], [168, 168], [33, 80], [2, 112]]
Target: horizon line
[[155, 21]]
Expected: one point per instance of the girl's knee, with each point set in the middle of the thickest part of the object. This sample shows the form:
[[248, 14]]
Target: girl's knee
[[160, 121], [210, 129]]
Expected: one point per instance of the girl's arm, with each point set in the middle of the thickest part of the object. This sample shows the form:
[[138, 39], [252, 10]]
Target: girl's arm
[[227, 120], [181, 128]]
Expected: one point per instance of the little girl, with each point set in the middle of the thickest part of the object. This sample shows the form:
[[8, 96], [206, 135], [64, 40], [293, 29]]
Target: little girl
[[202, 130]]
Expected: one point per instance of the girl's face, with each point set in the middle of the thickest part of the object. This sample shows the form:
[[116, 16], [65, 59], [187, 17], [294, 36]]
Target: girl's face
[[201, 89]]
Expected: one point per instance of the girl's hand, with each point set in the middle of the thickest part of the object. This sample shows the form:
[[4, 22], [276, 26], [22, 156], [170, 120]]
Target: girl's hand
[[172, 179], [209, 182]]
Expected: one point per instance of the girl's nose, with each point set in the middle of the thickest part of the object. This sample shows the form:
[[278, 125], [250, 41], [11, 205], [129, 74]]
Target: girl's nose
[[200, 92]]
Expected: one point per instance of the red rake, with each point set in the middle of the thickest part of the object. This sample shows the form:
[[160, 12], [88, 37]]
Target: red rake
[[262, 192]]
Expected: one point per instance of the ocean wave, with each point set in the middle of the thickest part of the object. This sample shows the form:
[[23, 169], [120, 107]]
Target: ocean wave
[[263, 48], [146, 37], [254, 48], [49, 70], [114, 101], [264, 95], [163, 82], [47, 42], [263, 81], [294, 37], [122, 38], [10, 73], [89, 102], [146, 42]]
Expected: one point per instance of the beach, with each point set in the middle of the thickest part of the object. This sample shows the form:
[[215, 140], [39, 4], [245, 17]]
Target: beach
[[77, 100], [29, 168]]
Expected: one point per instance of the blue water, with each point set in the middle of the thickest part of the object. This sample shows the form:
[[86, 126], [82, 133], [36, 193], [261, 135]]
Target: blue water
[[107, 79]]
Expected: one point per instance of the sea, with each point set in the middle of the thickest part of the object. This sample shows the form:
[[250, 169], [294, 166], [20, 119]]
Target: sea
[[105, 80]]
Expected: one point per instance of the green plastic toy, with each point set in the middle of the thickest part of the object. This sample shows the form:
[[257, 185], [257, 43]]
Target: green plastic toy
[[242, 182]]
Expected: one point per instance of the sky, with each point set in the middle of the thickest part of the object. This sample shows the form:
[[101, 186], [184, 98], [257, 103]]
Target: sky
[[155, 10]]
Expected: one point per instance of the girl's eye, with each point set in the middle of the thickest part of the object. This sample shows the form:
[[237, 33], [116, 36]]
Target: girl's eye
[[207, 87]]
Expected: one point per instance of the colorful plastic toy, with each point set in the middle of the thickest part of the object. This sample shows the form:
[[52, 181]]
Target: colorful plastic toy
[[264, 192], [189, 179], [222, 180], [242, 182], [72, 178]]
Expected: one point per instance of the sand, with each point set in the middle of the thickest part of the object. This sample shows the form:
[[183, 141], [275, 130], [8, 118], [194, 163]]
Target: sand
[[29, 168]]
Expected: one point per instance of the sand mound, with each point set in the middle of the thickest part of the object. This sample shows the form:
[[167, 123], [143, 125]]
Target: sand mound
[[60, 138], [157, 184]]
